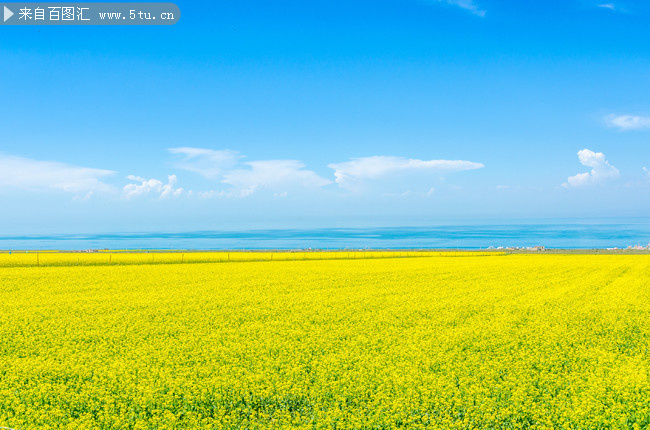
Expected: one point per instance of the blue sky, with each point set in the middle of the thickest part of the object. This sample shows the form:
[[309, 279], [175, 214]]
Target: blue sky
[[251, 114]]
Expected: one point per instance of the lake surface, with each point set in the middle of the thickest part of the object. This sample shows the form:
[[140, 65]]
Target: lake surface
[[577, 236]]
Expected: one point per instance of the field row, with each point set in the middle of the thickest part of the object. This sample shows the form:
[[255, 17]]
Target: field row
[[30, 259]]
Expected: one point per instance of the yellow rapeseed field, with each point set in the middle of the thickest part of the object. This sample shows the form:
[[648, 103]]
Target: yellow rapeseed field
[[429, 341]]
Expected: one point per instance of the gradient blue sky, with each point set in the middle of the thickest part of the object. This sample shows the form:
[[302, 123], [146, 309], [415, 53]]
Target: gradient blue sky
[[328, 113]]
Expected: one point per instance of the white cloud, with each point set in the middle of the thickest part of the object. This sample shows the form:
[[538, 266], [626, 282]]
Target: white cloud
[[380, 166], [208, 163], [245, 178], [29, 174], [627, 122], [469, 5], [610, 6], [601, 170], [272, 174], [146, 186], [280, 176], [211, 194]]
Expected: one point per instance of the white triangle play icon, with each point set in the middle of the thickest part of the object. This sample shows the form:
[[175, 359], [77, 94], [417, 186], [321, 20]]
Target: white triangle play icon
[[8, 14]]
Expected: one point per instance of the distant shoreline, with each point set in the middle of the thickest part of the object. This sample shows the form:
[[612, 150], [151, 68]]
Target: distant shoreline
[[624, 251]]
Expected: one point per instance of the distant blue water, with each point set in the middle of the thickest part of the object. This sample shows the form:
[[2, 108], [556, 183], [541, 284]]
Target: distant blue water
[[458, 237]]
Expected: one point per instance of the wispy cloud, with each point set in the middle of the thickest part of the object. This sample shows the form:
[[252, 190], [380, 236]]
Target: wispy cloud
[[601, 170], [208, 163], [276, 175], [30, 174], [469, 5], [614, 7], [246, 178], [628, 122], [144, 186], [610, 6], [377, 167]]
